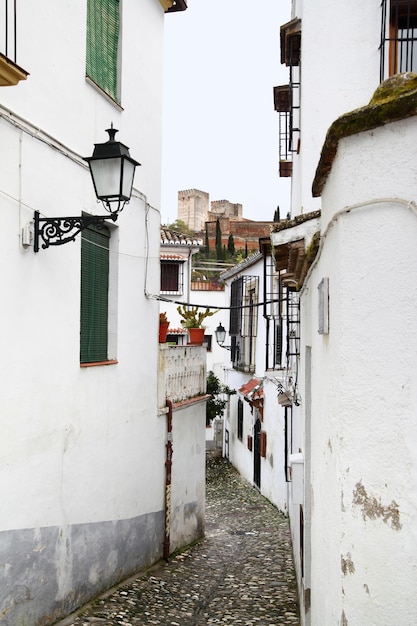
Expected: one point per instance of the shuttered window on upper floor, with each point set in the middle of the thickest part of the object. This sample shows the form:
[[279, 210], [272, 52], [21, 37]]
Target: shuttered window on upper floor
[[103, 29]]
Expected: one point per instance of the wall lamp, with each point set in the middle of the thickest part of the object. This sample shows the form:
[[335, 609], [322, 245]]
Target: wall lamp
[[112, 170], [220, 333]]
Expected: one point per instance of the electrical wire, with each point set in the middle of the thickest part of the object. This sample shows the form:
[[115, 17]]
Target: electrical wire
[[210, 306]]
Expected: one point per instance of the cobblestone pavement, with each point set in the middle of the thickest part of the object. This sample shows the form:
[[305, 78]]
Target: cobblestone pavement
[[240, 574]]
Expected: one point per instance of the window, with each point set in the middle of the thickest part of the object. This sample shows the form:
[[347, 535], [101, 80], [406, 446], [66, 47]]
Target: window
[[208, 339], [94, 294], [398, 37], [273, 312], [171, 277], [287, 97], [282, 104], [243, 322], [240, 419], [103, 27]]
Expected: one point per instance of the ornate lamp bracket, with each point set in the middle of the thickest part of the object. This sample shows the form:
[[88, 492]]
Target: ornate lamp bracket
[[55, 231]]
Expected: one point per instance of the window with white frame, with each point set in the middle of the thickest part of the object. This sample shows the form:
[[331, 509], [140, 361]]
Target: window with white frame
[[172, 277]]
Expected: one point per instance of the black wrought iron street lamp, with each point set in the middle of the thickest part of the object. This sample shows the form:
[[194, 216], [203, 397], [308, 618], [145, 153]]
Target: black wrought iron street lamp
[[220, 333], [112, 170]]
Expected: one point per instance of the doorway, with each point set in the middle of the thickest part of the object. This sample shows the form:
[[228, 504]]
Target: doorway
[[257, 453]]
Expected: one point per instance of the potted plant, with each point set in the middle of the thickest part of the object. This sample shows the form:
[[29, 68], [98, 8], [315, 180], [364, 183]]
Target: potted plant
[[192, 320], [163, 327]]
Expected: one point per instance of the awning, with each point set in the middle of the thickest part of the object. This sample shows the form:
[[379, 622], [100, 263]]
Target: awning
[[253, 391]]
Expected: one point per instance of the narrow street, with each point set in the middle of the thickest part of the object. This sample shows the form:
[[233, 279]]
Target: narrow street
[[241, 573]]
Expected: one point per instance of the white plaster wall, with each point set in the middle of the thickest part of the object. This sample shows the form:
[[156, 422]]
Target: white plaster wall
[[369, 159], [44, 387], [57, 98], [215, 358], [82, 449], [188, 498], [273, 485], [339, 72], [363, 459]]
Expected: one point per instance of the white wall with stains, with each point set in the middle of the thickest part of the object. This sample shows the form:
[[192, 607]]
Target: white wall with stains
[[362, 493]]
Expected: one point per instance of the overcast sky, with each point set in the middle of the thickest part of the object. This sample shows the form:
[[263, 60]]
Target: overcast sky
[[222, 60]]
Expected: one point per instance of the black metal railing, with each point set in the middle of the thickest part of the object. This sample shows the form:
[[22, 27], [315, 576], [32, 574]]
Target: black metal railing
[[8, 36], [398, 37]]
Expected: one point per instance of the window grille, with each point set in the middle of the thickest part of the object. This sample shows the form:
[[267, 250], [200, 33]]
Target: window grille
[[282, 104], [398, 37], [273, 312], [243, 321], [293, 325], [240, 419], [172, 276], [287, 97]]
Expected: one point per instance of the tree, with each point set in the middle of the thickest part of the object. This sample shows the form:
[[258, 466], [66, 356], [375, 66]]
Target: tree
[[215, 406], [180, 227], [231, 245], [276, 215], [207, 243], [219, 247]]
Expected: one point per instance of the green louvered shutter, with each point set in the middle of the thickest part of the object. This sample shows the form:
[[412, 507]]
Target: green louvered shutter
[[103, 25], [94, 294]]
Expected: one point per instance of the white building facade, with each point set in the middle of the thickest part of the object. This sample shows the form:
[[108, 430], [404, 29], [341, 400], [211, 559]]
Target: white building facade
[[83, 449], [258, 422], [354, 421]]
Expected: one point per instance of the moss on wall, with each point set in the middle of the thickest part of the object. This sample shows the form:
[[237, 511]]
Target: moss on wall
[[395, 99]]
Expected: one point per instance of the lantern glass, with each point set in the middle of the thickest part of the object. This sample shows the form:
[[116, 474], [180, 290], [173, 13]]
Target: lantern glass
[[220, 334], [128, 175], [106, 175]]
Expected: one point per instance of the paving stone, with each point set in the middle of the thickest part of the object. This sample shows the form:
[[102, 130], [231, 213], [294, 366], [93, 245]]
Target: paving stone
[[240, 574]]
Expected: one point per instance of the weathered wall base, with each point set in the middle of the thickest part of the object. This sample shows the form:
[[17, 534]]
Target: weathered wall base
[[31, 586]]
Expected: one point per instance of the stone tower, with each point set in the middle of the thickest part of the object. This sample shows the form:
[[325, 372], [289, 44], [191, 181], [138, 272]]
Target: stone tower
[[193, 208]]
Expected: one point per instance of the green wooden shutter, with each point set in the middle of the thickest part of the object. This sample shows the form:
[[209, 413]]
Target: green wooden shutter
[[103, 25], [94, 294]]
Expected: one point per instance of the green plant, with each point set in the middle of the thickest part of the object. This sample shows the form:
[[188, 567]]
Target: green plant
[[191, 318], [163, 318], [215, 406]]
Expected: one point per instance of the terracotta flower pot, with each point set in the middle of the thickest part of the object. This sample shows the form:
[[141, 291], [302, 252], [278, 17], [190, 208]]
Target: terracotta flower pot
[[196, 336], [163, 329]]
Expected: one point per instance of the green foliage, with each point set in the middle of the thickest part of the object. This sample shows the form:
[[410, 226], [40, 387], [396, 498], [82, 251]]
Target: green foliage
[[180, 227], [219, 247], [216, 405], [191, 318], [207, 244], [231, 245]]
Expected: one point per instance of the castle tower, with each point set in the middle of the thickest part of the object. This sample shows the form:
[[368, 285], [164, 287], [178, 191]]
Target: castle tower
[[193, 207], [226, 209]]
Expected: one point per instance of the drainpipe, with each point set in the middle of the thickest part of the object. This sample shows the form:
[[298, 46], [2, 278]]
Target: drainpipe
[[168, 466]]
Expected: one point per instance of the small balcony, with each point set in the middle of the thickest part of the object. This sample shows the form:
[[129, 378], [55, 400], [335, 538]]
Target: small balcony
[[10, 73], [182, 373]]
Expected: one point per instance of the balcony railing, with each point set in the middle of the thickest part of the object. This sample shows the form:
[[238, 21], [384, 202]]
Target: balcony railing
[[182, 373], [10, 72], [8, 42]]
